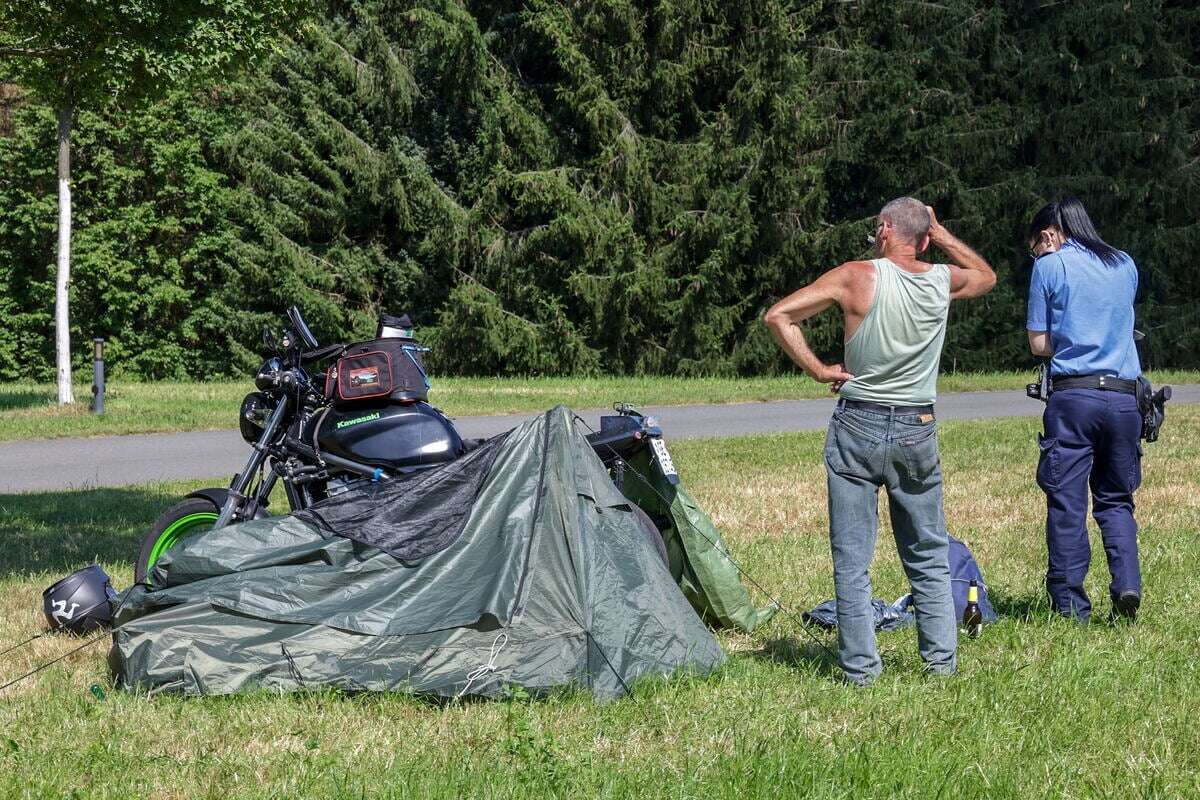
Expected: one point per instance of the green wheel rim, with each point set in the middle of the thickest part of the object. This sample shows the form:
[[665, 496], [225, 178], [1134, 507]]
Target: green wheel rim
[[184, 526]]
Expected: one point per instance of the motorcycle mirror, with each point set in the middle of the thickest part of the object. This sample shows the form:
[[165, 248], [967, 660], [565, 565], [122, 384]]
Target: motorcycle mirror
[[268, 340]]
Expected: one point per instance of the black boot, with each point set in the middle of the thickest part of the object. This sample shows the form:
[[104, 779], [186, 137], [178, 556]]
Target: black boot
[[1126, 605]]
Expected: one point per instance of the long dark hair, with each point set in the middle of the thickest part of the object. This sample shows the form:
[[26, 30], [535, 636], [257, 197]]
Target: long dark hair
[[1070, 217]]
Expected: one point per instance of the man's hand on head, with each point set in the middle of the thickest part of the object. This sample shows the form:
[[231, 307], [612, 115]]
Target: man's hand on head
[[937, 234], [970, 275]]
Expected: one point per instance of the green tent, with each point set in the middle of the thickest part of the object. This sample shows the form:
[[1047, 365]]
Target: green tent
[[700, 561], [518, 564]]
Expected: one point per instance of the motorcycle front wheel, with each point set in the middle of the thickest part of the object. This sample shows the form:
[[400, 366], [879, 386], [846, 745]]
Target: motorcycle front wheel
[[652, 534], [190, 516]]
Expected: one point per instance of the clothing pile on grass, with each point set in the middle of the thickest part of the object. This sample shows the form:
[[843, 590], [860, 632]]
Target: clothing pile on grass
[[519, 564], [899, 614]]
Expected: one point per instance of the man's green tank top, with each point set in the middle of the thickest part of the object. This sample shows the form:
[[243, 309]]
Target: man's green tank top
[[895, 352]]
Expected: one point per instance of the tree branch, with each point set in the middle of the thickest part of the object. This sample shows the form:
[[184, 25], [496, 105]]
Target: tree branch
[[26, 52]]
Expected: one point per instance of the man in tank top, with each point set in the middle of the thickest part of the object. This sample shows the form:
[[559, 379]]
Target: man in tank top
[[883, 433]]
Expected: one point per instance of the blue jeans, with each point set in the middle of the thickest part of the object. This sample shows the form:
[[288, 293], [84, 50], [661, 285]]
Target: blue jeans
[[1092, 438], [866, 450]]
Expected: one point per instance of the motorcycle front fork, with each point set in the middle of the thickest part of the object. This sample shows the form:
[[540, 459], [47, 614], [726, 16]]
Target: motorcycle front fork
[[238, 502]]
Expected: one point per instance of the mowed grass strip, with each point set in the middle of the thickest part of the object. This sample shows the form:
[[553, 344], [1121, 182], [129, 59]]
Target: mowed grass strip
[[29, 411], [1041, 708]]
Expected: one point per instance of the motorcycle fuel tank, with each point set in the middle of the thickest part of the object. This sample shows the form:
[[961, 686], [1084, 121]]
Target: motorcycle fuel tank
[[390, 435]]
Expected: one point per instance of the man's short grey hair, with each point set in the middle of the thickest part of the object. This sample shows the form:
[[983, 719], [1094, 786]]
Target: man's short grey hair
[[908, 217]]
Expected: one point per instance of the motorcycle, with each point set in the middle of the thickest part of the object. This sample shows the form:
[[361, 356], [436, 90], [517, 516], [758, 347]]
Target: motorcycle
[[365, 418]]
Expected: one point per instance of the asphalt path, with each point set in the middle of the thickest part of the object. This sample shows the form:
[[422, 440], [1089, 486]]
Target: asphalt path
[[57, 464]]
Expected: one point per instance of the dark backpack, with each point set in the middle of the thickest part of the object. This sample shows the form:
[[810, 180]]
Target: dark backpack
[[963, 570], [893, 616]]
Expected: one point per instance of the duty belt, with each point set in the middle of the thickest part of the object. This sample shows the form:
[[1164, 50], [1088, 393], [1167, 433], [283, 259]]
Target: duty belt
[[863, 405], [1108, 383]]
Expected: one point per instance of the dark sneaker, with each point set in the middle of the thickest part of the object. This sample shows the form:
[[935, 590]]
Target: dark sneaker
[[1126, 605]]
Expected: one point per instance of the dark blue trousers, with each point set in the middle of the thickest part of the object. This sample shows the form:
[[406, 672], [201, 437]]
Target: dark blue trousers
[[1092, 439]]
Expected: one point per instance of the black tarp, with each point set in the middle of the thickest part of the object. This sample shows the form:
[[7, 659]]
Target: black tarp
[[412, 516]]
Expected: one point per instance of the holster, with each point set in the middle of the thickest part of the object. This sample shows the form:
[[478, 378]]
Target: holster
[[1151, 405], [1040, 388]]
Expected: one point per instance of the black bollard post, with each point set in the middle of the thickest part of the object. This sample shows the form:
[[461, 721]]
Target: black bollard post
[[98, 376]]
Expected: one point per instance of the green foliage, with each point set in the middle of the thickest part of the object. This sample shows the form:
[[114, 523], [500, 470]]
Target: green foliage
[[138, 255], [148, 226], [555, 189], [77, 51], [614, 186], [531, 750], [1120, 126], [989, 112]]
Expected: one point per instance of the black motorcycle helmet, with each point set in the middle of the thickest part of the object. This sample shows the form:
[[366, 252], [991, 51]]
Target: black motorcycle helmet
[[80, 602]]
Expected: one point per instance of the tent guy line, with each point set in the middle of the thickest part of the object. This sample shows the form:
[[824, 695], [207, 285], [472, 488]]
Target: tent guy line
[[98, 636], [724, 553]]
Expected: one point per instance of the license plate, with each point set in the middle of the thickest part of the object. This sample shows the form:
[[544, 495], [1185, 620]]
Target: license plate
[[663, 458]]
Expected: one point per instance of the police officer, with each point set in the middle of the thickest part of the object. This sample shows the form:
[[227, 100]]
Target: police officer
[[1080, 316]]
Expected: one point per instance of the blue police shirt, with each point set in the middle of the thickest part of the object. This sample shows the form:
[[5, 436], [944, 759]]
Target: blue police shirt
[[1087, 306]]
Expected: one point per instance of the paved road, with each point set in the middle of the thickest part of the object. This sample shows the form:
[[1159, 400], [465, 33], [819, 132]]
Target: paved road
[[123, 460]]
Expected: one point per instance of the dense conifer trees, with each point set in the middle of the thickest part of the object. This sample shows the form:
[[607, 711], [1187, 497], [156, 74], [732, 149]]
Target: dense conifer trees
[[618, 186]]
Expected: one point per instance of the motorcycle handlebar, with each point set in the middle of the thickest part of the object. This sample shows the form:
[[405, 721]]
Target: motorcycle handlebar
[[322, 353]]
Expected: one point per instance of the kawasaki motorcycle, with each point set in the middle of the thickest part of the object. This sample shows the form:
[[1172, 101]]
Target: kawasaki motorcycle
[[365, 417]]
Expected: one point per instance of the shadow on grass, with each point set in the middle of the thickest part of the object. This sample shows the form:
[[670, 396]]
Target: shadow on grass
[[13, 399], [59, 532], [805, 654], [1023, 607]]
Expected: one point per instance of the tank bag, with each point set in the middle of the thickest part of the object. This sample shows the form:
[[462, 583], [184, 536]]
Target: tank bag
[[377, 368]]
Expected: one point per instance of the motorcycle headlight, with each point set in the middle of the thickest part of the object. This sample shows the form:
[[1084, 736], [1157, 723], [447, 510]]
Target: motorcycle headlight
[[256, 410], [268, 374]]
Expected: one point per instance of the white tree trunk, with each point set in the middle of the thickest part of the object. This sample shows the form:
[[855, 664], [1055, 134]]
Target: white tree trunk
[[62, 317]]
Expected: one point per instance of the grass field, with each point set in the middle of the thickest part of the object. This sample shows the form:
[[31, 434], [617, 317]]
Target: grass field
[[1041, 708], [29, 411]]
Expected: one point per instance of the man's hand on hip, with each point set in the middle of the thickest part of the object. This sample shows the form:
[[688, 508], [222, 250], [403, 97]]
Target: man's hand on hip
[[835, 375]]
